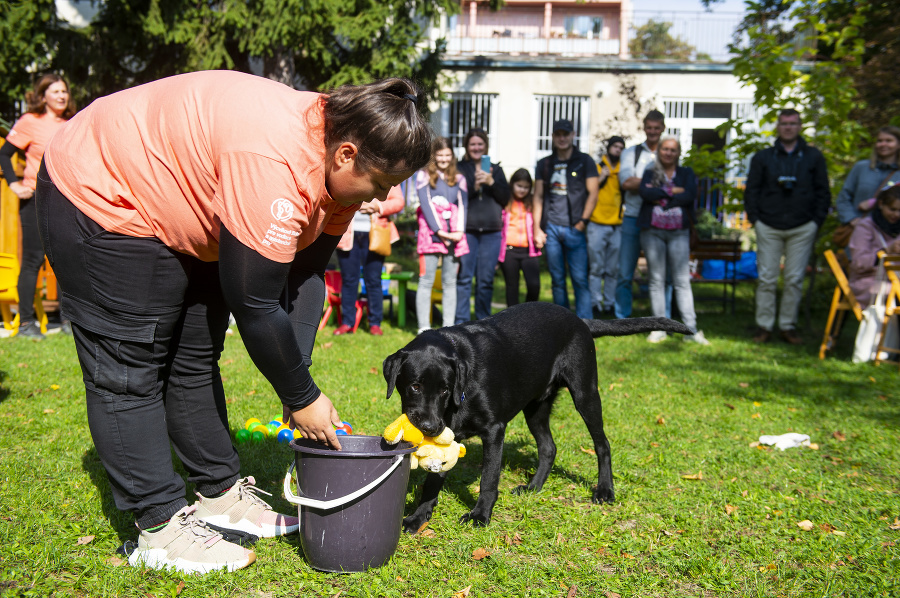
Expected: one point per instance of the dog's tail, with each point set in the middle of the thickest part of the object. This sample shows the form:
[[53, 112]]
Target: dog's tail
[[627, 326]]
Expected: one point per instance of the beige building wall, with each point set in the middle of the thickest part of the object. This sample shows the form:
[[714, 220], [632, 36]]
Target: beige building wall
[[514, 137]]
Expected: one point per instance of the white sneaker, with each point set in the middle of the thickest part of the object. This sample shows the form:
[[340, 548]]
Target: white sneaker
[[657, 336], [186, 544], [242, 510], [697, 337]]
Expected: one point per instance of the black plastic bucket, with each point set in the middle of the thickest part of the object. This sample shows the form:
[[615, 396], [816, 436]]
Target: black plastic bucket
[[350, 501]]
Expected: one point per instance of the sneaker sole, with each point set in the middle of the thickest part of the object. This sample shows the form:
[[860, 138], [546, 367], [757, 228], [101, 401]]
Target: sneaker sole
[[222, 523], [155, 558]]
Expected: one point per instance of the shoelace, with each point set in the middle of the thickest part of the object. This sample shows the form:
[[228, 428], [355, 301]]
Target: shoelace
[[247, 490], [194, 526]]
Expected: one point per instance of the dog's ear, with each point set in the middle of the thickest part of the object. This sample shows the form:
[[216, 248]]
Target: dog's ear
[[459, 384], [390, 368]]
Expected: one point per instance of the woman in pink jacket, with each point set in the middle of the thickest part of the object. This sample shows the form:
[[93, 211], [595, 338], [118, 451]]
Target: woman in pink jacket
[[517, 250]]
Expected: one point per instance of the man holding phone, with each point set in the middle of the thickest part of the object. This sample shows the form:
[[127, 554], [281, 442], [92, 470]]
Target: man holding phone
[[488, 194], [565, 193]]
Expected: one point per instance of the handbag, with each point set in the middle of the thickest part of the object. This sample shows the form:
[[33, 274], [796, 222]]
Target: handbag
[[663, 219], [380, 237]]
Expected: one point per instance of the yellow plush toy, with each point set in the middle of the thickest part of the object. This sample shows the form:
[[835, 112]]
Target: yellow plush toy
[[436, 454]]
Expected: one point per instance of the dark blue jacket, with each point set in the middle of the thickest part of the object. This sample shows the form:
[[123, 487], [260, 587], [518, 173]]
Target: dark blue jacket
[[685, 178]]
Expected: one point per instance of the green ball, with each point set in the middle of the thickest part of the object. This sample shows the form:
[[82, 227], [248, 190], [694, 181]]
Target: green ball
[[242, 436], [257, 437], [273, 428]]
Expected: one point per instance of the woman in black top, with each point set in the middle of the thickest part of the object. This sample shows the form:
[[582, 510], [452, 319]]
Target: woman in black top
[[488, 195]]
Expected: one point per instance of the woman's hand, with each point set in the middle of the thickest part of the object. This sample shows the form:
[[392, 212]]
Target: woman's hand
[[450, 237], [316, 421], [370, 207], [483, 178], [21, 191], [540, 237], [676, 190], [894, 247]]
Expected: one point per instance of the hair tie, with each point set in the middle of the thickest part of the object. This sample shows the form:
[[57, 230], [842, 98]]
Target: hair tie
[[411, 98]]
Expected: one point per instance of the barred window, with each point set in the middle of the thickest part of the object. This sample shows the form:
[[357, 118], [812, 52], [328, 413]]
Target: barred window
[[552, 108]]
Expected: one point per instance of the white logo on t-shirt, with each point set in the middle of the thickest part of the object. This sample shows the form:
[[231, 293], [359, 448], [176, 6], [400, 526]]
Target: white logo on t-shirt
[[282, 209]]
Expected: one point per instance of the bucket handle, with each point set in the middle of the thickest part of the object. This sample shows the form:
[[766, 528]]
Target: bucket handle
[[336, 502]]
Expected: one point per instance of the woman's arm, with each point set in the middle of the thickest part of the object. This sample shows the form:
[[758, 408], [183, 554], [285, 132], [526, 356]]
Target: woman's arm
[[280, 344], [499, 191], [688, 182], [425, 202], [651, 194]]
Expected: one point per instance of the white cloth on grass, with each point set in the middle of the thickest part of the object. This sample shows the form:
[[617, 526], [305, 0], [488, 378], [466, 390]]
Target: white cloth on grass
[[786, 441]]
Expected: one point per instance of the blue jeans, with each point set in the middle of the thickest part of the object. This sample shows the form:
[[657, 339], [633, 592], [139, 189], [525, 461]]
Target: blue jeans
[[567, 246], [481, 261], [629, 252], [603, 252], [371, 263]]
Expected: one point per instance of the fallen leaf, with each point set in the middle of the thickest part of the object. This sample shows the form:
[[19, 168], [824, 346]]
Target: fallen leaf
[[826, 527], [882, 397], [838, 435], [400, 579], [871, 379], [515, 539], [667, 533], [463, 593], [693, 476], [428, 533], [49, 411], [661, 421], [588, 451], [422, 528], [771, 567], [560, 539], [814, 446], [252, 392], [625, 394], [613, 385], [115, 561], [743, 384], [179, 588], [228, 362], [744, 493], [729, 509], [84, 540], [839, 533], [230, 400], [54, 387], [730, 406], [806, 525], [755, 416], [793, 409], [22, 365], [338, 594], [573, 591], [627, 556], [896, 524], [327, 345], [479, 553], [654, 444], [754, 444], [373, 371], [757, 404], [612, 595]]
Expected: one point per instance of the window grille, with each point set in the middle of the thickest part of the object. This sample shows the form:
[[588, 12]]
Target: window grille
[[553, 108]]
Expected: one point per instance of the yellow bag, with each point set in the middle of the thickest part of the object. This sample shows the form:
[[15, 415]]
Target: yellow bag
[[380, 237]]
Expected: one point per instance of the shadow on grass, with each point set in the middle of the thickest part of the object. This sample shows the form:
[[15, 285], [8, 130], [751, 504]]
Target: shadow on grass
[[4, 391]]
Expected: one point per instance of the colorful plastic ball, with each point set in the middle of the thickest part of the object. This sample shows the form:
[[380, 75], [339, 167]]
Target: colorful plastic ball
[[257, 437], [278, 423], [350, 431], [251, 423], [285, 436], [297, 434], [273, 429], [340, 432], [242, 436], [344, 429], [261, 429]]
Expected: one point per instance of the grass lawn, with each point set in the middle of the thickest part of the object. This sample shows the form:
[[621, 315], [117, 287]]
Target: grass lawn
[[699, 511]]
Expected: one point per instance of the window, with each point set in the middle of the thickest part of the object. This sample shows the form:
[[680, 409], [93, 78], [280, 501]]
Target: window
[[583, 26], [465, 111], [553, 108]]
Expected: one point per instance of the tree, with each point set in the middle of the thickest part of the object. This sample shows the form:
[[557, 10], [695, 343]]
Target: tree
[[653, 41], [316, 44]]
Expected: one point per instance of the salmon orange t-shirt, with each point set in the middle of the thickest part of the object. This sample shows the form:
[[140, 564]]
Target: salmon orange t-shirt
[[179, 157], [31, 133]]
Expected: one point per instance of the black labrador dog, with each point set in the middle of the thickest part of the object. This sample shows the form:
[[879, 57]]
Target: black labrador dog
[[475, 377]]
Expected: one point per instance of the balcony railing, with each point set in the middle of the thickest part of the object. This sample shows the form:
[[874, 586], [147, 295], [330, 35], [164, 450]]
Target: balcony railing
[[708, 33]]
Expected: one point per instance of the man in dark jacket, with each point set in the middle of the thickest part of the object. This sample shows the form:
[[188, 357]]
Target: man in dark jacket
[[786, 199], [565, 193]]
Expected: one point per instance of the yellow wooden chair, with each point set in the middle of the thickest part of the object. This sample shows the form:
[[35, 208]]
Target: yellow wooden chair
[[892, 304], [842, 302]]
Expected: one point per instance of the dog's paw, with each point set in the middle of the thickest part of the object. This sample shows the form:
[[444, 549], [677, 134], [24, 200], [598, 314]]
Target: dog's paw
[[477, 519], [413, 524], [520, 490], [603, 495]]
